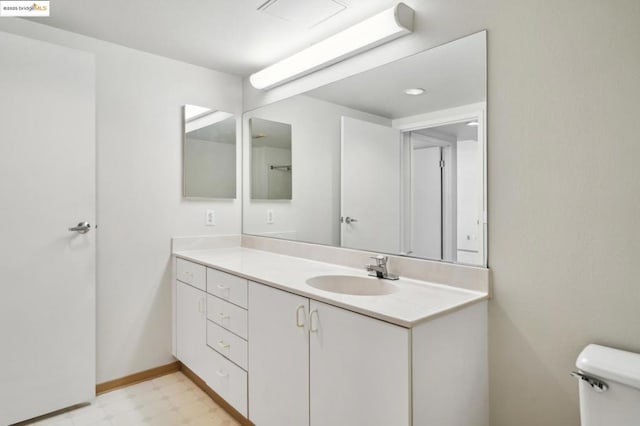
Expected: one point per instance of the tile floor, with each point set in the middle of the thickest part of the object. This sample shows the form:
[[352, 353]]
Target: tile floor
[[170, 400]]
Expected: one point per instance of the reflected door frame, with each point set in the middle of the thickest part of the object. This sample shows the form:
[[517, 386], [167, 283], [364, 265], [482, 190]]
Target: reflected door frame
[[472, 112]]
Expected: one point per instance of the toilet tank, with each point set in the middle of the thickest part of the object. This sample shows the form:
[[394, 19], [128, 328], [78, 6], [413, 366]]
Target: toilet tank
[[609, 387]]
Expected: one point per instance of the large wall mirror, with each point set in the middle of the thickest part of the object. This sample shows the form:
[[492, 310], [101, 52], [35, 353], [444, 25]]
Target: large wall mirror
[[392, 160], [209, 153]]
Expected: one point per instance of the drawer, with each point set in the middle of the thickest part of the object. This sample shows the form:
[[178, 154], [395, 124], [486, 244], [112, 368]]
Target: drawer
[[227, 344], [191, 273], [227, 315], [228, 287], [227, 379]]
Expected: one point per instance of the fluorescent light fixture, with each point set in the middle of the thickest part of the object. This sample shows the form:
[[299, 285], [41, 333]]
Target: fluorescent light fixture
[[472, 123], [379, 29], [414, 91]]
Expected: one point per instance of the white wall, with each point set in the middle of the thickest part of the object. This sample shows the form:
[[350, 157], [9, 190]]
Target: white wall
[[563, 245], [563, 238], [314, 210], [139, 134]]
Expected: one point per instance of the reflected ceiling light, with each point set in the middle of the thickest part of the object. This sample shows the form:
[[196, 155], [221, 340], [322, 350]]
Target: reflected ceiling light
[[205, 119], [414, 91], [472, 123], [379, 29]]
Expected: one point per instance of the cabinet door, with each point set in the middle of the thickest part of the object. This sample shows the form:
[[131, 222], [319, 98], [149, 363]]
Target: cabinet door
[[359, 369], [278, 357], [191, 327]]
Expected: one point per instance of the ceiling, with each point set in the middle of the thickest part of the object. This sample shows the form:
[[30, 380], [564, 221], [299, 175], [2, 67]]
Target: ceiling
[[455, 131], [452, 75], [226, 35]]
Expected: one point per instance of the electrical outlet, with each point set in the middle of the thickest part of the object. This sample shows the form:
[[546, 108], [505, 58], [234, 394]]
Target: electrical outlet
[[210, 218], [269, 216]]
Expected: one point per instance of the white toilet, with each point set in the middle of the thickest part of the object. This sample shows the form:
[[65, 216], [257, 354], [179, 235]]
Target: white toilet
[[609, 386]]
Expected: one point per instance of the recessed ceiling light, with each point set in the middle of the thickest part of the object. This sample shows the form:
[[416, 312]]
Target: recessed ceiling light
[[414, 91], [472, 123]]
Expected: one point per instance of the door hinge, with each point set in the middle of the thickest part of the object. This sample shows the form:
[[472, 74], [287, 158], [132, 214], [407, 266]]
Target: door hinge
[[442, 164]]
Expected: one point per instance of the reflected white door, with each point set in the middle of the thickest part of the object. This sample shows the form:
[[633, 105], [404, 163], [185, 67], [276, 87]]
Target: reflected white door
[[370, 186], [427, 202], [47, 161]]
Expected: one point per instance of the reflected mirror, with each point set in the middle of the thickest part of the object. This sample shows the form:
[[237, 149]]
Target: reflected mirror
[[209, 153], [271, 167], [392, 160]]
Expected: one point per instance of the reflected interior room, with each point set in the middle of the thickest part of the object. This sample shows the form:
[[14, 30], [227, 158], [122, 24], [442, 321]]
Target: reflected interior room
[[328, 212]]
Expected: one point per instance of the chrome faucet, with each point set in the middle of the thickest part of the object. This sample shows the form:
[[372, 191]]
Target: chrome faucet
[[379, 270]]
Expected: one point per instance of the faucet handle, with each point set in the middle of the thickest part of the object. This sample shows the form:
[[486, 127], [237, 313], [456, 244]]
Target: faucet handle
[[380, 259]]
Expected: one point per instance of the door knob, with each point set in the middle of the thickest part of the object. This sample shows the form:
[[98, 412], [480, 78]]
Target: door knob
[[81, 228], [349, 220]]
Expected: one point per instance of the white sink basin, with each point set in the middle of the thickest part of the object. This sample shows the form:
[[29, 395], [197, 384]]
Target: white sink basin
[[350, 284]]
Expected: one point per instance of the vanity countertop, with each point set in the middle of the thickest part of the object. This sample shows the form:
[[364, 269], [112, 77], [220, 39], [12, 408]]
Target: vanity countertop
[[414, 302]]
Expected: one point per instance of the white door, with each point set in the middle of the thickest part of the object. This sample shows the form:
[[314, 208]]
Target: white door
[[278, 357], [427, 202], [470, 227], [370, 186], [359, 371], [47, 162]]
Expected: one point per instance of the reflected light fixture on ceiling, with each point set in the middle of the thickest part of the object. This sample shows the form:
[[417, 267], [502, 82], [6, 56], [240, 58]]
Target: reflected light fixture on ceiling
[[379, 29], [472, 123], [415, 91], [204, 119]]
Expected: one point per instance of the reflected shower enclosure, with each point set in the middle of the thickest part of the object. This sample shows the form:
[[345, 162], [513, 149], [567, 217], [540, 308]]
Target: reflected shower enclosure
[[271, 168]]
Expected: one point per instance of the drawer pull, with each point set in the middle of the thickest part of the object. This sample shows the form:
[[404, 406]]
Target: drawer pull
[[224, 290], [299, 323], [223, 344], [223, 316], [222, 373]]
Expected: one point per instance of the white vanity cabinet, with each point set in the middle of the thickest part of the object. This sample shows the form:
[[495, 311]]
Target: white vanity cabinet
[[314, 363], [283, 359]]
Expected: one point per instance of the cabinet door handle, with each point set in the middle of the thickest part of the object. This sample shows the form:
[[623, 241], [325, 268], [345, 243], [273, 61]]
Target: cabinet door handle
[[312, 327], [223, 287], [223, 316], [201, 305], [299, 323], [222, 373], [223, 344]]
